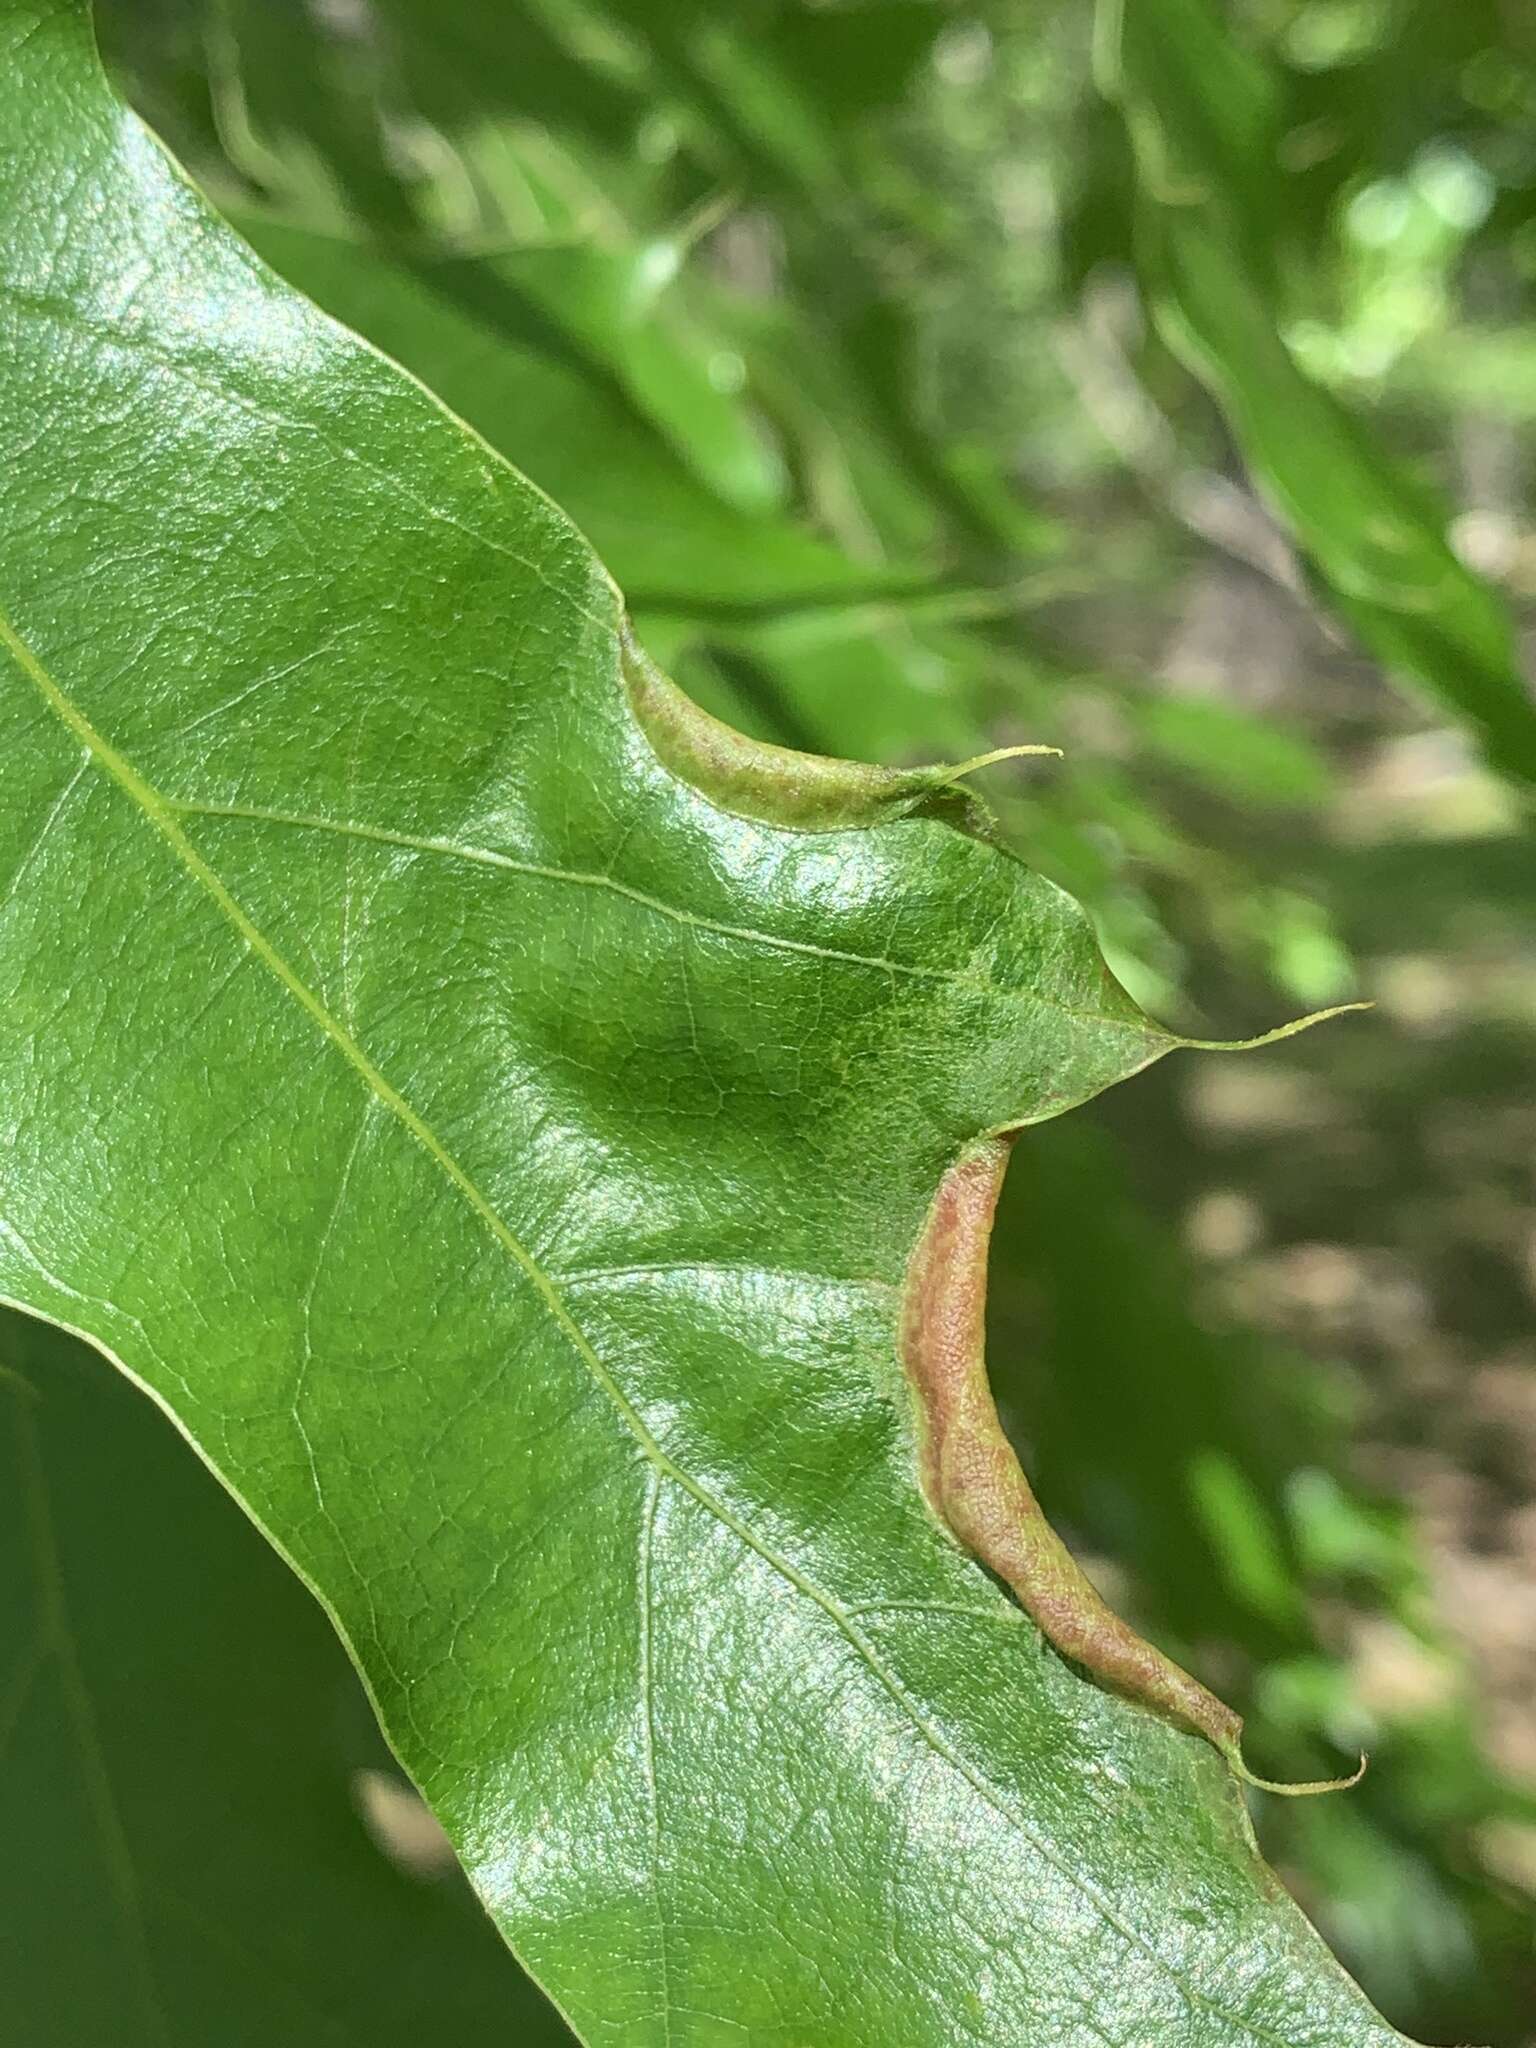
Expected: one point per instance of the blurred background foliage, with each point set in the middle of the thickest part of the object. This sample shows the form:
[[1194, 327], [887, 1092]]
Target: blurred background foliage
[[938, 374]]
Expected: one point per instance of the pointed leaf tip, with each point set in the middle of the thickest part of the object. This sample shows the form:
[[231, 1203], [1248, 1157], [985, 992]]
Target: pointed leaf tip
[[1290, 1030], [1304, 1789], [942, 777]]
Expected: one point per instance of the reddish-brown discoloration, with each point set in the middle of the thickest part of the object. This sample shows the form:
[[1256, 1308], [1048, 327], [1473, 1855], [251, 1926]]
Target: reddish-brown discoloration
[[974, 1482]]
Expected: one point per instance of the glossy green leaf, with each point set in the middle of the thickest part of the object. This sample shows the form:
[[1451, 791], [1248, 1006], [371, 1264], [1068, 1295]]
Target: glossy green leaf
[[186, 1757], [494, 1112], [460, 325], [608, 135], [323, 116], [1203, 114]]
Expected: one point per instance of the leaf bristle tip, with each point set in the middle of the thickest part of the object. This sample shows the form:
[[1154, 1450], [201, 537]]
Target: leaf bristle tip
[[1305, 1788]]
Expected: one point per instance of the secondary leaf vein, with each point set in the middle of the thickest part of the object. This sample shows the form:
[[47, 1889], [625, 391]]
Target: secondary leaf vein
[[491, 857]]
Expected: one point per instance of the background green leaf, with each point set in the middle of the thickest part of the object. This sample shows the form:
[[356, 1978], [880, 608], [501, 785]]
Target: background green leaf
[[1205, 119], [186, 1753]]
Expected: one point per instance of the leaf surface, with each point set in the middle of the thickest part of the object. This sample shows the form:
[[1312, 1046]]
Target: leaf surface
[[455, 323], [186, 1757], [498, 1129]]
